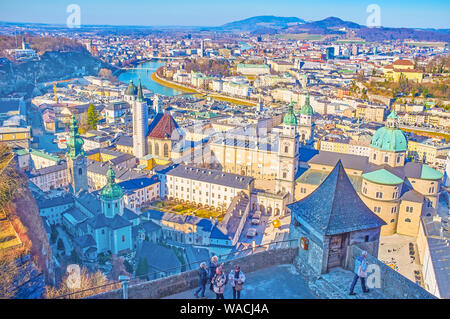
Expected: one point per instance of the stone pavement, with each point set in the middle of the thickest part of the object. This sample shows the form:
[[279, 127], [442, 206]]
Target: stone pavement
[[276, 282], [336, 284]]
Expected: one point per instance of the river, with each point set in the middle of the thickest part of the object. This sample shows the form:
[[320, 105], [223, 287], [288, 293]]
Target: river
[[144, 72]]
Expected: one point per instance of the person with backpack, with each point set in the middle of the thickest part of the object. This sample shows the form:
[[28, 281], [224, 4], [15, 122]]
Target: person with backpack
[[360, 271], [219, 282], [237, 279]]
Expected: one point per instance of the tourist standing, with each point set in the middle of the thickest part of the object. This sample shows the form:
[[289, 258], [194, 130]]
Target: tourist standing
[[237, 279], [202, 280], [212, 266], [360, 271], [219, 282]]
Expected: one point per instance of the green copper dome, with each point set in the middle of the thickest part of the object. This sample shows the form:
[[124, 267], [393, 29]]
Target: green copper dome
[[290, 118], [306, 108], [390, 137], [75, 142], [131, 89], [111, 191]]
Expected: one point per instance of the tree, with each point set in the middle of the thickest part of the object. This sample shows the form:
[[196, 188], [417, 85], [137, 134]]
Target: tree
[[54, 233], [60, 244], [107, 74], [8, 271], [75, 258], [142, 268], [93, 283], [92, 117]]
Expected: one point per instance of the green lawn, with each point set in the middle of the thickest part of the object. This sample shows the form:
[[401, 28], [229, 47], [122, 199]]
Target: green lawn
[[185, 209]]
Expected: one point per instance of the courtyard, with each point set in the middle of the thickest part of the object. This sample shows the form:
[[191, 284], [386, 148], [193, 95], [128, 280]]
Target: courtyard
[[175, 207], [400, 253]]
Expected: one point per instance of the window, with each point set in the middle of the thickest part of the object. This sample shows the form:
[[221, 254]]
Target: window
[[394, 209], [103, 231], [386, 159], [123, 238], [407, 220], [366, 238], [80, 171], [284, 175], [286, 149], [374, 156], [409, 209], [166, 150], [377, 209], [109, 205], [379, 195], [392, 221], [364, 190], [398, 159]]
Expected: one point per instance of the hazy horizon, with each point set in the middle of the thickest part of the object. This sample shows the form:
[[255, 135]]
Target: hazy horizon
[[202, 13]]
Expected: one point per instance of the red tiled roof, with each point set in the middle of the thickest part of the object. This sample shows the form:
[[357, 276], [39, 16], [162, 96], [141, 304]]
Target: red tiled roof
[[403, 62], [164, 128]]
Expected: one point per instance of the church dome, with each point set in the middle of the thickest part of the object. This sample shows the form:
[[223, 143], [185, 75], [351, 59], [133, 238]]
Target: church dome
[[111, 191], [307, 108], [290, 118], [390, 137], [131, 89]]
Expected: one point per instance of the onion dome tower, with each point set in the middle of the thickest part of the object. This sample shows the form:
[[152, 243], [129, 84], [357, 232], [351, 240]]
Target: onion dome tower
[[111, 195], [76, 159]]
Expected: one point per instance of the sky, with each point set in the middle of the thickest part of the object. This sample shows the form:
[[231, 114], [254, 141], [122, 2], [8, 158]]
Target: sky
[[393, 13]]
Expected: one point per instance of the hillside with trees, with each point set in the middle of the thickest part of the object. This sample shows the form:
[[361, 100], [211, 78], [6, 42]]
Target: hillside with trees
[[23, 267]]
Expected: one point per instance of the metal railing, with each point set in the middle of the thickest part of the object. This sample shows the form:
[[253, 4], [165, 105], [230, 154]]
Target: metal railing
[[128, 283]]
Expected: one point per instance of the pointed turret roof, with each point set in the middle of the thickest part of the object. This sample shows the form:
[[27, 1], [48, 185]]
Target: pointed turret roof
[[335, 207], [140, 95]]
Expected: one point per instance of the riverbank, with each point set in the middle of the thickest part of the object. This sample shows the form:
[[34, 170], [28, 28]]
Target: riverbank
[[219, 97]]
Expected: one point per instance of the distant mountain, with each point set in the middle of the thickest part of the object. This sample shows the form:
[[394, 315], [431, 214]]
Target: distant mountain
[[326, 26], [262, 22], [334, 25]]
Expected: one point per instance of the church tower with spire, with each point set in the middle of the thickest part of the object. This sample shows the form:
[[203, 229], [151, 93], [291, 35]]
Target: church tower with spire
[[306, 126], [76, 160], [288, 154], [140, 124]]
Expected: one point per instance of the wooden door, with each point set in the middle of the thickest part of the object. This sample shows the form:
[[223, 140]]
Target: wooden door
[[336, 251]]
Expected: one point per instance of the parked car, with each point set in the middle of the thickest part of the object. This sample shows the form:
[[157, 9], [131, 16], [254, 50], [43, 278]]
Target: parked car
[[257, 214], [256, 221], [251, 232]]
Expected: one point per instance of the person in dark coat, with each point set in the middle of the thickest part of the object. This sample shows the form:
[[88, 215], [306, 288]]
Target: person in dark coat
[[212, 266], [202, 280]]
